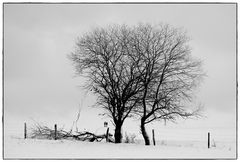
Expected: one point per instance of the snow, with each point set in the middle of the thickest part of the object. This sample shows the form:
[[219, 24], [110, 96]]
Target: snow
[[185, 140], [18, 148]]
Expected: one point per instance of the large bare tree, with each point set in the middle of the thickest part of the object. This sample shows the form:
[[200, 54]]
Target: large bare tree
[[103, 57], [145, 70], [170, 74]]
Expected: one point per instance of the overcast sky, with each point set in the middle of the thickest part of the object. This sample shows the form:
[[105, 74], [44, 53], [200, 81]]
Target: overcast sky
[[39, 80]]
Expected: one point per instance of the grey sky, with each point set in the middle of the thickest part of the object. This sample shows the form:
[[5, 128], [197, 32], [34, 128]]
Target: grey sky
[[39, 80]]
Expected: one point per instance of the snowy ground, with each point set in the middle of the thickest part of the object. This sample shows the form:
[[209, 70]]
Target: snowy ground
[[185, 140], [18, 148]]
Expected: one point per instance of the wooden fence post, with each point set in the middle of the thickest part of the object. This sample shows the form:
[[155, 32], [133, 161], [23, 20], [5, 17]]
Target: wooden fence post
[[25, 130], [107, 134], [208, 139], [154, 143], [55, 131]]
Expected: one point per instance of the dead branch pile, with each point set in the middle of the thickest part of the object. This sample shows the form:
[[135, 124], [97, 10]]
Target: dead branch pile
[[44, 132]]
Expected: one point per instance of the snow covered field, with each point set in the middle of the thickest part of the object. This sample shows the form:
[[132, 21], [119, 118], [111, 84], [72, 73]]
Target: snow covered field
[[18, 148], [186, 140]]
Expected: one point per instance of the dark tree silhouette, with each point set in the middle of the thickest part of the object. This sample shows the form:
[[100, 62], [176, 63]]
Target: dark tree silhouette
[[170, 74], [142, 70], [103, 56]]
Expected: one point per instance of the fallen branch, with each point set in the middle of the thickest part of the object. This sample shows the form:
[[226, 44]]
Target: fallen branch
[[44, 132]]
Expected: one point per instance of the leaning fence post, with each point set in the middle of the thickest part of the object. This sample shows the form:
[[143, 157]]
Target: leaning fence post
[[208, 139], [154, 143], [25, 130], [107, 135], [55, 131]]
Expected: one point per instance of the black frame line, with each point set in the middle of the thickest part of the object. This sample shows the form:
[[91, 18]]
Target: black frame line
[[119, 3]]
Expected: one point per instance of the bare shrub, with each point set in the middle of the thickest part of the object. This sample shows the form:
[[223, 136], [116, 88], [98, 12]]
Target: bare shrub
[[130, 138]]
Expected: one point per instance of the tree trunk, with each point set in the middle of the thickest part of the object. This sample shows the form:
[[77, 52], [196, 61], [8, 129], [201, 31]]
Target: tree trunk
[[118, 133], [144, 133]]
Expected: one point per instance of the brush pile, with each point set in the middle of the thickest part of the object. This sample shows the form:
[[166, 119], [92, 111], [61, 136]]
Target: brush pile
[[44, 132]]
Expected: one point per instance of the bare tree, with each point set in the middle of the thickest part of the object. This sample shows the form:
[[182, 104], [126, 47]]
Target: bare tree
[[103, 57], [145, 70], [170, 74]]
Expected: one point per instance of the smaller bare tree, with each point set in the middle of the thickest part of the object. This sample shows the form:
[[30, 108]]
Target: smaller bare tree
[[170, 74]]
